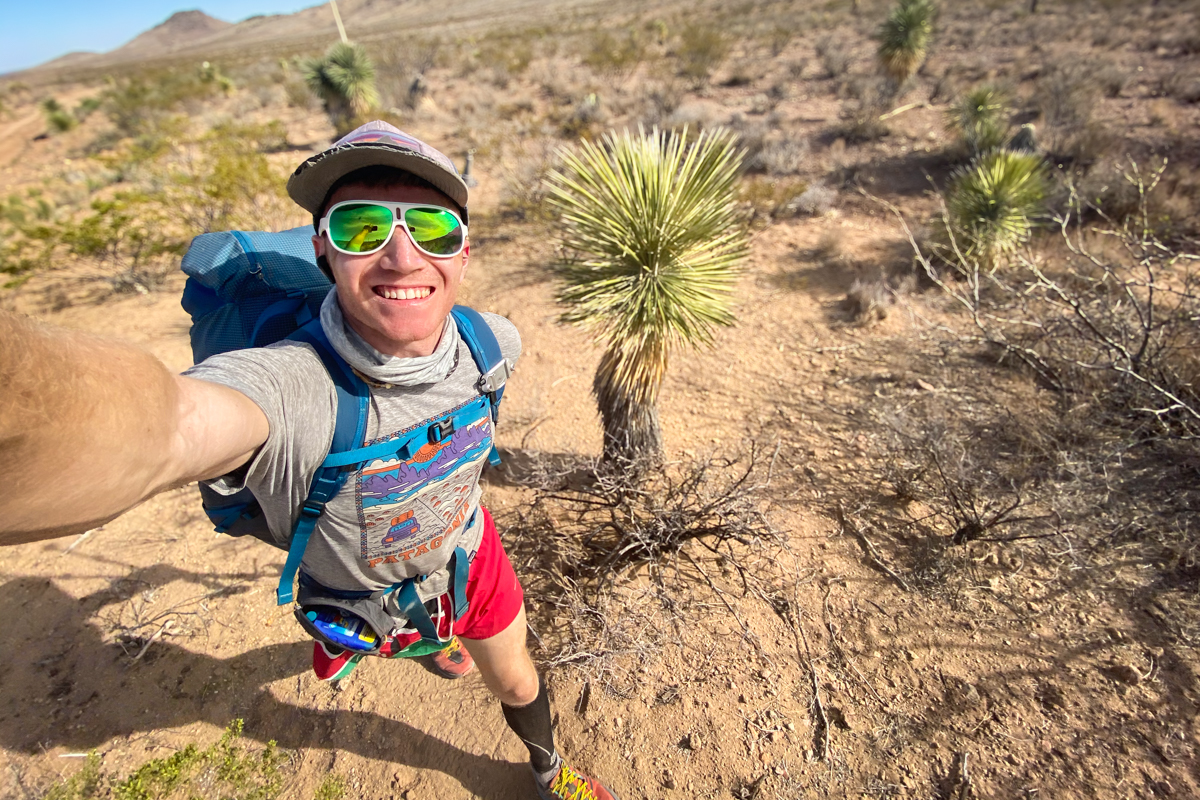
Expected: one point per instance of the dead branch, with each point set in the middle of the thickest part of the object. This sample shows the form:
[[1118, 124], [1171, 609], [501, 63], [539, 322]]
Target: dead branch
[[868, 548]]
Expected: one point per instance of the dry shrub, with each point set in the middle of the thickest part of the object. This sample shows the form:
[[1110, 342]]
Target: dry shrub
[[524, 170], [657, 101], [834, 56], [702, 47], [867, 301], [869, 100], [1067, 94], [766, 199], [608, 539], [781, 155], [1183, 86], [817, 200], [1114, 322]]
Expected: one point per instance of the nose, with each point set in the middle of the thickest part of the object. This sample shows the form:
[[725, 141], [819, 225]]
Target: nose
[[400, 253]]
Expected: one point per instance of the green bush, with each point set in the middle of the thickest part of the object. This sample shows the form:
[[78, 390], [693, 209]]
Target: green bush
[[229, 183], [135, 105], [226, 770], [614, 55], [59, 119]]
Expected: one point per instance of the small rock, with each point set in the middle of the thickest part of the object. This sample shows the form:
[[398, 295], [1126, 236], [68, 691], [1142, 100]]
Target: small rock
[[668, 779], [1125, 674], [694, 741], [741, 698], [791, 726]]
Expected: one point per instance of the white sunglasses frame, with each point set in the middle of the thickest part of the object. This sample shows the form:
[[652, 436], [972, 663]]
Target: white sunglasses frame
[[398, 210]]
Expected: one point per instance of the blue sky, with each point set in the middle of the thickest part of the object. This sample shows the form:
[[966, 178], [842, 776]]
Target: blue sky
[[34, 32]]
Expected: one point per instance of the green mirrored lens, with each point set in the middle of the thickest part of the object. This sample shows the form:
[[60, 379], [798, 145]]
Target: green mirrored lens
[[360, 228], [435, 230]]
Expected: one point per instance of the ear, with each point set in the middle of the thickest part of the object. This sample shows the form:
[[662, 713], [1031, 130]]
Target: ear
[[466, 256], [322, 261]]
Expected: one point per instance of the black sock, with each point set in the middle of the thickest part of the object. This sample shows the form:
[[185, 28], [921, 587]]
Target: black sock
[[533, 724]]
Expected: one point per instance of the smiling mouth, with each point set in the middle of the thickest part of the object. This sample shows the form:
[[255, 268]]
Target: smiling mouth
[[400, 293]]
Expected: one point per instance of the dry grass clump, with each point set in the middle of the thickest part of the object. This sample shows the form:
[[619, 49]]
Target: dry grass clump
[[868, 301], [834, 56], [701, 49], [1067, 94], [862, 114]]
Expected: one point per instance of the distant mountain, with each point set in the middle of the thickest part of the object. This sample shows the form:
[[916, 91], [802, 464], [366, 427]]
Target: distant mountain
[[183, 29], [195, 35], [70, 59]]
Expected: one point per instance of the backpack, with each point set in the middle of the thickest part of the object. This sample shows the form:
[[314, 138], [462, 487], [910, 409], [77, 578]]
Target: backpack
[[250, 289]]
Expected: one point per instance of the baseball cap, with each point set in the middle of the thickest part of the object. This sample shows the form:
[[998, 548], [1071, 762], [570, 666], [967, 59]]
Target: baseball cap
[[373, 144]]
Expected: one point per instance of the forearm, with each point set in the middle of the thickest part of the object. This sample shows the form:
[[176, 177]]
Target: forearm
[[87, 429]]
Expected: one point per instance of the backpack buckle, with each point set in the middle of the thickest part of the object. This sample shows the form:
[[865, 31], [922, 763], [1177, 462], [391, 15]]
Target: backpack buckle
[[494, 379], [441, 431], [312, 509]]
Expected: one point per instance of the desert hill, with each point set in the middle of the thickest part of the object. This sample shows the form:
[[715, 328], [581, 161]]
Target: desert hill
[[195, 34], [181, 30]]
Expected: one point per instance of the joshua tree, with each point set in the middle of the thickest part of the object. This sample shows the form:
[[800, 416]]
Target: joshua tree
[[993, 202], [344, 80], [904, 39], [652, 241], [980, 118]]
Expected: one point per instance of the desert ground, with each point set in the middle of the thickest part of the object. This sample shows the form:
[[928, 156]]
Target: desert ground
[[849, 640]]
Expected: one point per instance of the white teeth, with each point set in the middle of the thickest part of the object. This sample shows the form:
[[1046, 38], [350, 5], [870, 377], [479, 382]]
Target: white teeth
[[404, 294]]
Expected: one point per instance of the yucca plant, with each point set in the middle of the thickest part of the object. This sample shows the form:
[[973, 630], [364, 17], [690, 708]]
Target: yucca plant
[[904, 39], [980, 119], [344, 80], [652, 242], [994, 202]]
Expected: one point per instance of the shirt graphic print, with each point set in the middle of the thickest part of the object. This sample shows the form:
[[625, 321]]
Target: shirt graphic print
[[407, 506]]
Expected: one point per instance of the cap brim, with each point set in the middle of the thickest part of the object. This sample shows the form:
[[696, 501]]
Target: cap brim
[[312, 180]]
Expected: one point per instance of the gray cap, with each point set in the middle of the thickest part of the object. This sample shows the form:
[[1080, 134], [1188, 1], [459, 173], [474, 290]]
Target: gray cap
[[373, 144]]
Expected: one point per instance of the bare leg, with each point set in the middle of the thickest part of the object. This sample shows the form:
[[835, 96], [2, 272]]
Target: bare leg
[[505, 664]]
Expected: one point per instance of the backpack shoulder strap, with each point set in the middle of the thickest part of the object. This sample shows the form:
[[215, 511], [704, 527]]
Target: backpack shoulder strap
[[494, 368], [348, 432]]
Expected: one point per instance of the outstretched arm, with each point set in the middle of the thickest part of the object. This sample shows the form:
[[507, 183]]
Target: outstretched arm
[[90, 428]]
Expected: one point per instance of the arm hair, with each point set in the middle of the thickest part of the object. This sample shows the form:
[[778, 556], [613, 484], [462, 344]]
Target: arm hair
[[90, 427]]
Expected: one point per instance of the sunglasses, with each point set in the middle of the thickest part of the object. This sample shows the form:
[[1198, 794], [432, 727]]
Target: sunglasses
[[361, 226]]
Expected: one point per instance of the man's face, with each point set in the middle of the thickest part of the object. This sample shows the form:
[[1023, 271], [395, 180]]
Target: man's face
[[374, 288]]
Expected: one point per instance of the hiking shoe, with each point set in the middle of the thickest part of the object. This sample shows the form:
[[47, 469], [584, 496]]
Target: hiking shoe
[[452, 661], [332, 664], [567, 784]]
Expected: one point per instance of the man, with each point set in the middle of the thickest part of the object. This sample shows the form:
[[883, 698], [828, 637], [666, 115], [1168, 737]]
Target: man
[[264, 418]]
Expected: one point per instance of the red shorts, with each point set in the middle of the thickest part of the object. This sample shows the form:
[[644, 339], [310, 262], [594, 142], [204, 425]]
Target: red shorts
[[494, 597]]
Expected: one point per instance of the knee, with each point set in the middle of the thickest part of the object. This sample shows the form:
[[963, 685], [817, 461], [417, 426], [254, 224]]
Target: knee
[[519, 687]]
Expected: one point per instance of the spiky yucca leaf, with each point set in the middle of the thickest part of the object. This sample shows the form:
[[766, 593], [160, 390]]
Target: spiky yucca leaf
[[980, 118], [994, 201], [653, 242], [904, 38]]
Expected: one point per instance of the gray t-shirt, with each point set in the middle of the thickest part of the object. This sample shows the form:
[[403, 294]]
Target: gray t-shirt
[[395, 518]]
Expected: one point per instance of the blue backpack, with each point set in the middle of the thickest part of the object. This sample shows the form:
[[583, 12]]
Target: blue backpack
[[250, 289]]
